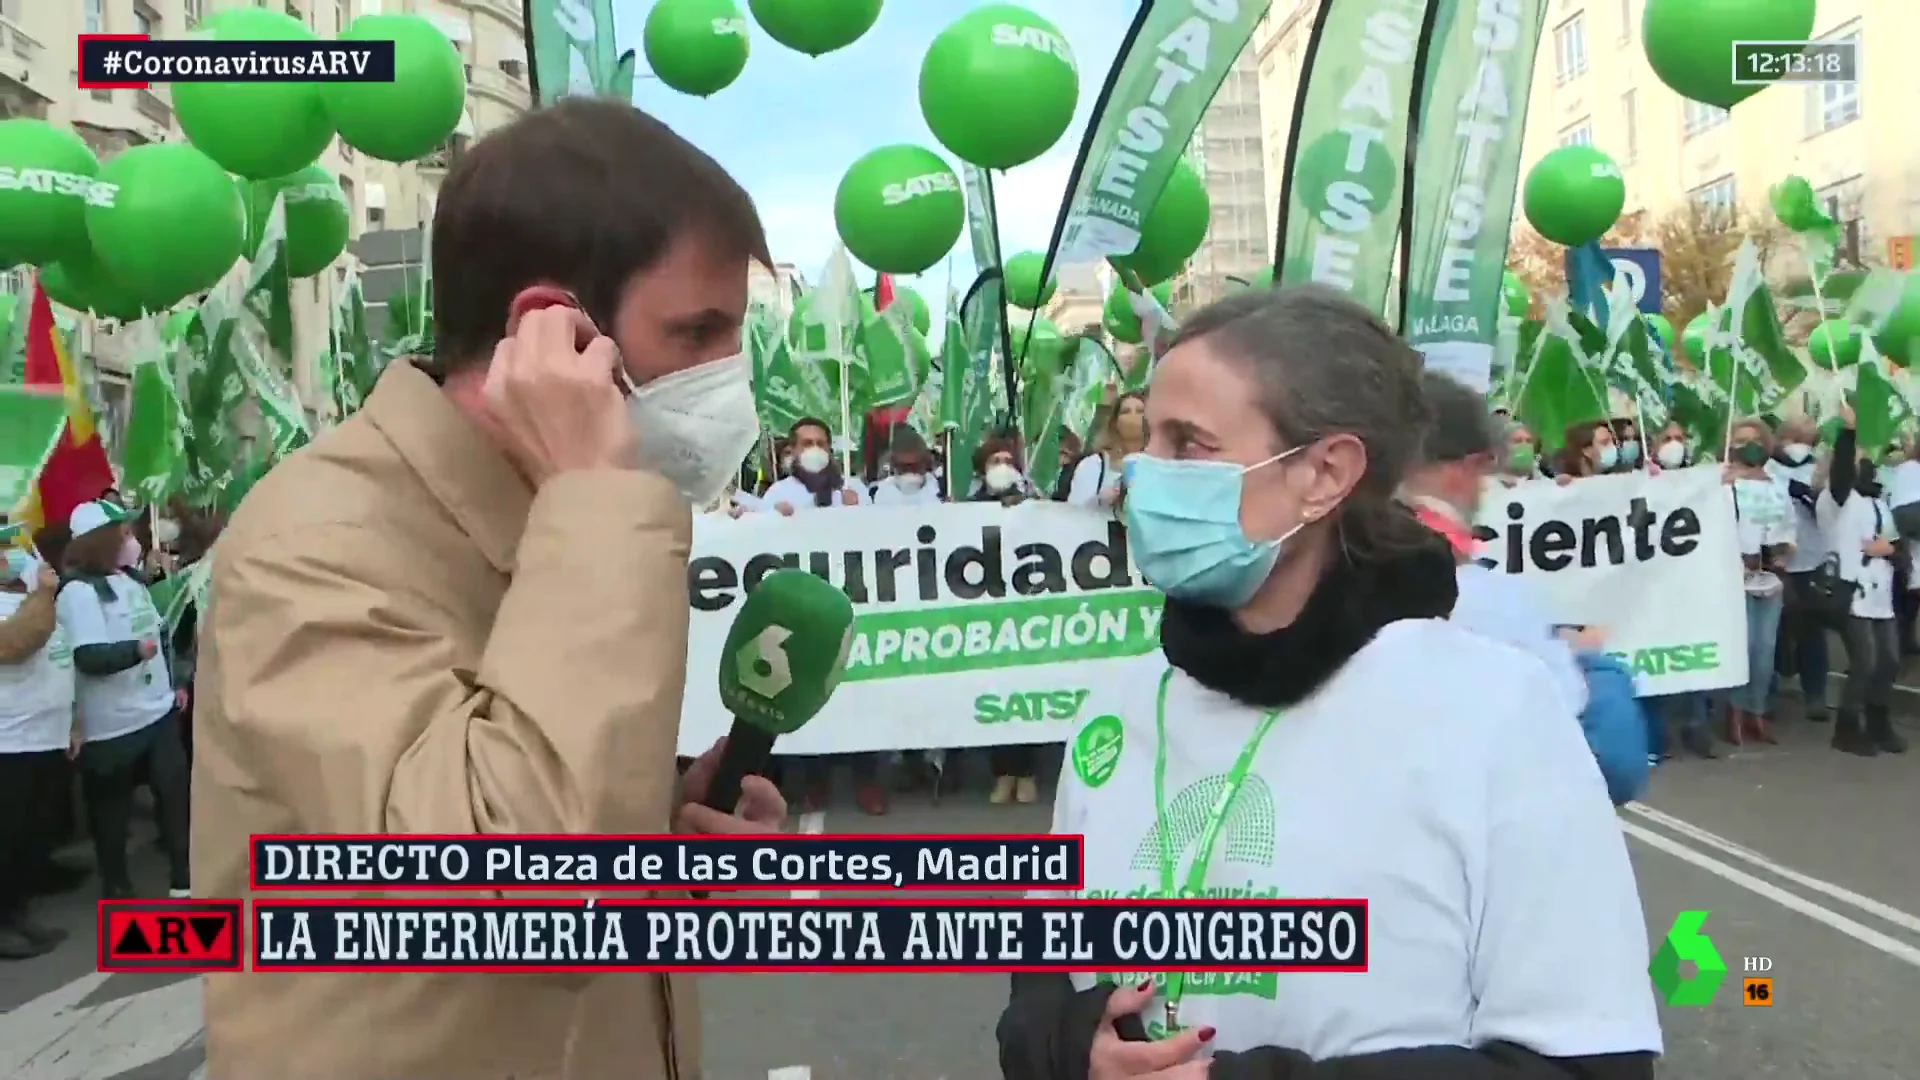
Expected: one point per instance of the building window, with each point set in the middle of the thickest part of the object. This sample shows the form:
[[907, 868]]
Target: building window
[[142, 22], [96, 16], [1570, 49], [1717, 196], [1842, 201], [1580, 134], [342, 15], [353, 208], [1626, 18], [1630, 121], [1697, 118], [1831, 105], [192, 11]]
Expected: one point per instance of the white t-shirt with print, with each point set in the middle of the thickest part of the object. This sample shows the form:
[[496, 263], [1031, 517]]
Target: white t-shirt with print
[[36, 695], [1849, 527], [795, 494], [125, 701], [1439, 776], [1763, 518]]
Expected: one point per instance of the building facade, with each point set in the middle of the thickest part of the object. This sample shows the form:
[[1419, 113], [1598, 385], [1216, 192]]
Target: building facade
[[1227, 151], [1079, 296], [38, 78], [1851, 141]]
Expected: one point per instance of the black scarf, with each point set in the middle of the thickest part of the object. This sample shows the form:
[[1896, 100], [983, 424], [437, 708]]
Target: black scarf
[[825, 486], [1348, 607]]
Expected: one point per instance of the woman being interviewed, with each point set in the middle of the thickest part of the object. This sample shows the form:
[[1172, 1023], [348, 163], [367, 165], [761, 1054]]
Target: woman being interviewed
[[1312, 690]]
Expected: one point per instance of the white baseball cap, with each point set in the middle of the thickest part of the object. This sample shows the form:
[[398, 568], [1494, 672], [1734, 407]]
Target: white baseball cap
[[99, 514]]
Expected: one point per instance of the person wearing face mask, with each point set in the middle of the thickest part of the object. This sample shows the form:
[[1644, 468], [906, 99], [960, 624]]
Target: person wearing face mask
[[1670, 450], [1588, 450], [1803, 646], [1763, 517], [997, 473], [36, 733], [909, 480], [815, 480], [1626, 435], [1097, 479], [1522, 461], [1311, 690], [127, 709], [1859, 526], [463, 610]]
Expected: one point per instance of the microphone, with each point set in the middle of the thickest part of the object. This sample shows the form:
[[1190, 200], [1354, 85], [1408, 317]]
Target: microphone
[[784, 656]]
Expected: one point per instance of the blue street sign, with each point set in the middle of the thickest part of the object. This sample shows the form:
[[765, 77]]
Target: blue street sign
[[1642, 267]]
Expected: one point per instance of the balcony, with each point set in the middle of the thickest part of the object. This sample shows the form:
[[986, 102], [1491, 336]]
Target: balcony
[[152, 107], [15, 42], [507, 11], [489, 81]]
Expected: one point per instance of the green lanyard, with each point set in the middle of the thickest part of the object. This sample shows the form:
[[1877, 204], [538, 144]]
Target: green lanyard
[[1209, 832]]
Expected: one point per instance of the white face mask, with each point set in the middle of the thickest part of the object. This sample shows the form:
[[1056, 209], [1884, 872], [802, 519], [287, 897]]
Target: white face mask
[[813, 459], [1002, 477], [695, 426], [909, 481], [1798, 451], [1672, 455]]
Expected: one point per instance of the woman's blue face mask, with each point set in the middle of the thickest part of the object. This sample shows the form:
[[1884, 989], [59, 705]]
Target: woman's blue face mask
[[1183, 528], [1609, 457]]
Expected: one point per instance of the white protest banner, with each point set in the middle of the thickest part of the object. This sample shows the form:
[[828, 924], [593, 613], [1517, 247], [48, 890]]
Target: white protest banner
[[975, 624], [1653, 561]]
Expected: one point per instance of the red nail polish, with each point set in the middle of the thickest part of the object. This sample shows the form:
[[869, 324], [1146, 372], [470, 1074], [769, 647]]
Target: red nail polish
[[1206, 1034], [1144, 984]]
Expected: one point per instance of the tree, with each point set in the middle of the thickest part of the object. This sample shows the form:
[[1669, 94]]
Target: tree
[[1697, 244], [1542, 264]]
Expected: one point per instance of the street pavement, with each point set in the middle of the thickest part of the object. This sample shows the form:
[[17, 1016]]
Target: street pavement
[[1804, 856]]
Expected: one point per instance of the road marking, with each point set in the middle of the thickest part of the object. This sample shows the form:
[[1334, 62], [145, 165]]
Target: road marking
[[54, 1037], [1866, 935], [790, 1072], [810, 825], [1894, 915]]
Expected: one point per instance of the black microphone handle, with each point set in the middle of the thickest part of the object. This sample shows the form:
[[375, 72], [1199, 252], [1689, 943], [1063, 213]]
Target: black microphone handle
[[749, 751]]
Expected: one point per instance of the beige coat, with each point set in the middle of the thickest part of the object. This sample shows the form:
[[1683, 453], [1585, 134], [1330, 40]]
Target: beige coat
[[403, 638]]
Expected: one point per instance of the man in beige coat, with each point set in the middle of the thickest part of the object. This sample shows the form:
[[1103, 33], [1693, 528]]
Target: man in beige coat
[[465, 609]]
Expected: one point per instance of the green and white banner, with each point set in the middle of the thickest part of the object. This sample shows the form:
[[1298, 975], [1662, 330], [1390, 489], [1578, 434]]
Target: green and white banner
[[1176, 64], [32, 422], [976, 624], [574, 51], [1479, 68], [1342, 218], [1652, 561]]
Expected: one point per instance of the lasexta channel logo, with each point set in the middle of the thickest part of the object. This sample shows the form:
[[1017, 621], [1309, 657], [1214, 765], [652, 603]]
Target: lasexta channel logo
[[1687, 941]]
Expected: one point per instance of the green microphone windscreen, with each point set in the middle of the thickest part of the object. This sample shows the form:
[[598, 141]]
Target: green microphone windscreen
[[785, 651]]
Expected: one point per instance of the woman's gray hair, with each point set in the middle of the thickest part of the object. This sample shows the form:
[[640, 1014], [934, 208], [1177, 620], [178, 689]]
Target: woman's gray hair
[[1325, 365]]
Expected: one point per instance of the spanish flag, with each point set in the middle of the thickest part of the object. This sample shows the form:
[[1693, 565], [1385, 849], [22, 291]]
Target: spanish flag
[[78, 471]]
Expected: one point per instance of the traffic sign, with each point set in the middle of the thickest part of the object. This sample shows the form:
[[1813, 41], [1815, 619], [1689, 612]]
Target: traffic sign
[[1642, 268]]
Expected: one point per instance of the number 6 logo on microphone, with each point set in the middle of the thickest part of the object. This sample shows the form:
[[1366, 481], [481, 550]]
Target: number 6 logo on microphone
[[764, 667]]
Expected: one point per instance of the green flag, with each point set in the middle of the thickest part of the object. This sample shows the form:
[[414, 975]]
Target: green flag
[[575, 52], [13, 336], [153, 459], [1479, 70], [1342, 216], [32, 421], [352, 363], [263, 339]]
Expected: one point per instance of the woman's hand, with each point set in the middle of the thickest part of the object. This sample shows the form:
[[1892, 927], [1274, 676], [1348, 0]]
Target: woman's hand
[[1563, 479], [1111, 496], [75, 740], [849, 497], [1172, 1058], [1878, 549]]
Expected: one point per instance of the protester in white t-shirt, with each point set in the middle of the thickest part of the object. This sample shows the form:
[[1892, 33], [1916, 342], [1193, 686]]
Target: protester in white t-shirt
[[127, 705], [1859, 526], [816, 481], [36, 729], [1763, 517], [1313, 708], [910, 479], [1099, 479], [1803, 633]]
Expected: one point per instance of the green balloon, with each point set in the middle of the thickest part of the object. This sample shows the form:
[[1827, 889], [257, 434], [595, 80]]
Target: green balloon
[[171, 223], [1835, 343], [697, 47], [1793, 203], [316, 218], [411, 116], [1117, 316], [815, 27], [45, 174], [1515, 298], [1694, 338], [1899, 339], [1173, 230], [1664, 329], [899, 209], [82, 284], [256, 129], [1574, 195], [918, 313], [1689, 43], [1024, 288], [1026, 343], [998, 86], [1328, 184]]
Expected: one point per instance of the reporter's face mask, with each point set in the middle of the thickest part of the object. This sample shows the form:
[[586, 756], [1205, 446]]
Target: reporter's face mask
[[695, 426]]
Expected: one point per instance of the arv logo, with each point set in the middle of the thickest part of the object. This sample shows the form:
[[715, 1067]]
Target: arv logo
[[730, 27], [1032, 37], [895, 194], [1029, 705], [50, 182]]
